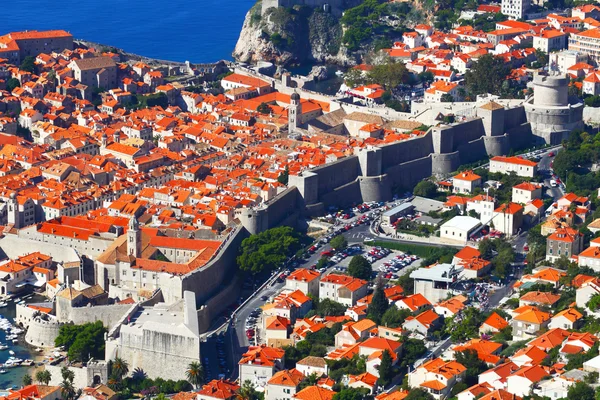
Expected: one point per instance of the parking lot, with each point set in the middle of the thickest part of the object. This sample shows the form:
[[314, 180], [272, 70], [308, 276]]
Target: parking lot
[[391, 263]]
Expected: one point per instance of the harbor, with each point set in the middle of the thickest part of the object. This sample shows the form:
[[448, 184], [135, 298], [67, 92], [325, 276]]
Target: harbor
[[17, 358]]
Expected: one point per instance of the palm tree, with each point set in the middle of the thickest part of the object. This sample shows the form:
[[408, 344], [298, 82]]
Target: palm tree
[[67, 390], [120, 368], [43, 376], [27, 380], [139, 374], [195, 374], [247, 391]]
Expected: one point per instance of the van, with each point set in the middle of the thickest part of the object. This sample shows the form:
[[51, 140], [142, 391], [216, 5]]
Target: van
[[553, 183]]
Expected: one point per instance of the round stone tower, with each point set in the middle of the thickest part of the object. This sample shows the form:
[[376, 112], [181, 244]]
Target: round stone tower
[[552, 115]]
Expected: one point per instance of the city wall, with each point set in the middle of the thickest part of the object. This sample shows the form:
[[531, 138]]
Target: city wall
[[206, 281], [110, 315], [93, 373]]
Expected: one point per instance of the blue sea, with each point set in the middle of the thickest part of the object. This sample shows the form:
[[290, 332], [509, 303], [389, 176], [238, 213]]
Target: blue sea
[[175, 30]]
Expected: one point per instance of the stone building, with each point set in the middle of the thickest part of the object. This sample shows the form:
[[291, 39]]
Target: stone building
[[162, 340], [99, 72], [564, 242]]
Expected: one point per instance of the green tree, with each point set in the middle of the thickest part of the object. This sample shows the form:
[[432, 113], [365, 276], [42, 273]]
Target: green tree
[[390, 74], [67, 390], [425, 189], [394, 317], [474, 365], [247, 392], [412, 351], [486, 75], [327, 307], [379, 303], [195, 374], [268, 250], [339, 242], [28, 64], [354, 77], [284, 177], [27, 380], [581, 391], [11, 84], [82, 342], [386, 372], [419, 394], [594, 302], [348, 393], [264, 108], [119, 368], [464, 325], [486, 248], [359, 268], [407, 283], [447, 98], [43, 376]]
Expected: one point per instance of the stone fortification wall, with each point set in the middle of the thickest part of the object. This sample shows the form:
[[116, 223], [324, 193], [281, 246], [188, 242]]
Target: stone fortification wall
[[160, 354], [337, 173], [554, 124], [93, 373], [217, 304], [514, 117], [344, 195], [442, 164], [206, 281], [497, 145], [283, 208], [337, 6], [110, 314], [408, 174], [397, 153], [520, 136], [472, 151]]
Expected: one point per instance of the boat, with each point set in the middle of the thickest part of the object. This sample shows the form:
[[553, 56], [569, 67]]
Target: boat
[[2, 371], [29, 362], [3, 347], [3, 304], [15, 341], [12, 353], [39, 350]]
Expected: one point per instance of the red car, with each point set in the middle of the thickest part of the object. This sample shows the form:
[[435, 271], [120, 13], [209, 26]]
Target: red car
[[525, 248], [327, 253], [551, 154]]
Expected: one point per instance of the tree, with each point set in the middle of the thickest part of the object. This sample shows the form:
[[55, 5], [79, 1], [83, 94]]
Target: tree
[[379, 303], [327, 307], [486, 248], [419, 394], [413, 350], [447, 98], [464, 325], [28, 64], [268, 250], [67, 390], [594, 302], [581, 391], [386, 372], [425, 189], [247, 392], [349, 393], [359, 268], [27, 380], [390, 74], [195, 374], [43, 376], [120, 368], [264, 108], [474, 365], [139, 374], [486, 75], [339, 242], [82, 342], [12, 83], [284, 177], [394, 317]]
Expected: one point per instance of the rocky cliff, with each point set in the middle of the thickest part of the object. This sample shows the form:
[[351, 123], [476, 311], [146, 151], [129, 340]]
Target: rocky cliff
[[291, 35]]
